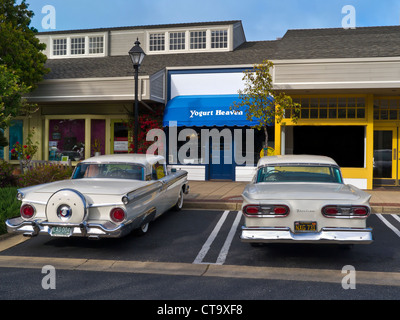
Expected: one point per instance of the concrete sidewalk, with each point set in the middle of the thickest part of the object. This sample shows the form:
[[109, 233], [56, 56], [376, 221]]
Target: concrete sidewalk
[[226, 195]]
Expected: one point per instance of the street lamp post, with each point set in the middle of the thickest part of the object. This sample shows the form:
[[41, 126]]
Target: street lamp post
[[137, 55]]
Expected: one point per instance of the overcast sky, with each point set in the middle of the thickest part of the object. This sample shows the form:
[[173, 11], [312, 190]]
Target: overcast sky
[[262, 19]]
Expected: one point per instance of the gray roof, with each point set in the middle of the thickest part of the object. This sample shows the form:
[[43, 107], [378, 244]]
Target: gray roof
[[155, 26], [120, 66], [296, 44]]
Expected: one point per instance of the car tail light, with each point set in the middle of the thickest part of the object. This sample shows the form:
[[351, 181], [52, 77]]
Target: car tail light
[[280, 210], [117, 214], [360, 211], [345, 211], [251, 210], [27, 211], [264, 211]]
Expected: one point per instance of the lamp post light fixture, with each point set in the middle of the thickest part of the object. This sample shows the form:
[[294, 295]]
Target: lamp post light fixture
[[137, 55]]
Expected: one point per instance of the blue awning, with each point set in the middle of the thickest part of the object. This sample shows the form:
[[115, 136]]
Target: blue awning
[[207, 110]]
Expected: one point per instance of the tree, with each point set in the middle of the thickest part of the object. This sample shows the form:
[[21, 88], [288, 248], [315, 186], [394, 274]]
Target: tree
[[264, 105], [11, 99], [21, 61], [20, 50]]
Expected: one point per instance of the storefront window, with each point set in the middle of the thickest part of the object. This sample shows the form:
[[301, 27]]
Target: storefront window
[[330, 108], [345, 144], [16, 135], [67, 139], [386, 109], [98, 134]]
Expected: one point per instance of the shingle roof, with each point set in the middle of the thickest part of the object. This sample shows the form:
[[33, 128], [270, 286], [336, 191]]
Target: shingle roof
[[155, 26], [340, 43], [120, 66], [296, 44]]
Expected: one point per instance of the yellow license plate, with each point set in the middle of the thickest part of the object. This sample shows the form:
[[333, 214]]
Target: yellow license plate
[[304, 227]]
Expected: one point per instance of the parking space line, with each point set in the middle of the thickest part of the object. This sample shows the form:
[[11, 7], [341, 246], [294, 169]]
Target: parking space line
[[202, 253], [396, 217], [224, 251], [388, 224]]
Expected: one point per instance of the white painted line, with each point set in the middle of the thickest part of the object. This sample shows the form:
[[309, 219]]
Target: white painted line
[[225, 249], [206, 246], [388, 224], [396, 217]]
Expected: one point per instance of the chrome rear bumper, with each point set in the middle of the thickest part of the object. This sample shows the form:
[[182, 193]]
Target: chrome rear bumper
[[105, 229], [327, 235]]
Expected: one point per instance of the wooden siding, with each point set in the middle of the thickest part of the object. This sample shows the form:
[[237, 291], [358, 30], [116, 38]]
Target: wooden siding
[[95, 89], [339, 74], [122, 41]]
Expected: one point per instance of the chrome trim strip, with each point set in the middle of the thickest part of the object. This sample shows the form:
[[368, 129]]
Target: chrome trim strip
[[327, 235]]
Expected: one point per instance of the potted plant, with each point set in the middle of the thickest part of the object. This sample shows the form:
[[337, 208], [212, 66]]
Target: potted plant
[[25, 152], [96, 147]]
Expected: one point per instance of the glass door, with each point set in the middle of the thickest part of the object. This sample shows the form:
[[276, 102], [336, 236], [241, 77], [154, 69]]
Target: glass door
[[119, 137], [386, 156]]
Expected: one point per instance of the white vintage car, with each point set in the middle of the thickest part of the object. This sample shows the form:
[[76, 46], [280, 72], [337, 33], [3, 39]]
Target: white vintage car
[[303, 199], [107, 196]]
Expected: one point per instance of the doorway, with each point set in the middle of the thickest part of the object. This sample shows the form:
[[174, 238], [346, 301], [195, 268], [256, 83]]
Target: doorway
[[386, 156], [221, 165]]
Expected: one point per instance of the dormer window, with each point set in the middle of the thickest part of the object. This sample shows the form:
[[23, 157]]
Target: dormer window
[[189, 40], [74, 46], [177, 41], [157, 42], [77, 46], [60, 47], [96, 45], [198, 39], [219, 39]]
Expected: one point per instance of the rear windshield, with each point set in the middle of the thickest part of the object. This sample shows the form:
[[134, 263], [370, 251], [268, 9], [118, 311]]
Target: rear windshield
[[299, 173], [109, 170]]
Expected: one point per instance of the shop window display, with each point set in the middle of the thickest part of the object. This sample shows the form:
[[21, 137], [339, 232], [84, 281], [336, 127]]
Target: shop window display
[[97, 139], [67, 139]]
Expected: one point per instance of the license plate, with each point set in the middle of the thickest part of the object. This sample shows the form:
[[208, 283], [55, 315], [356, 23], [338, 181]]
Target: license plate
[[61, 231], [303, 227]]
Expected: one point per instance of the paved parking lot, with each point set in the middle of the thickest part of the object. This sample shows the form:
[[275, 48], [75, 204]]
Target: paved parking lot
[[205, 244], [212, 237]]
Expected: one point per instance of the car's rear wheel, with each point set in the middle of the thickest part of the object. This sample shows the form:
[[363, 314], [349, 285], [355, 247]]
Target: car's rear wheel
[[179, 204]]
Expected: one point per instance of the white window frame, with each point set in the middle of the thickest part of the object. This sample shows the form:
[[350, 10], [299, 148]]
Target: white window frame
[[73, 36], [206, 38], [164, 39], [184, 43], [66, 47], [187, 32], [219, 43]]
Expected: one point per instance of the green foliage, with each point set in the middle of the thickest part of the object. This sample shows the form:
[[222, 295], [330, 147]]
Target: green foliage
[[21, 60], [20, 50], [256, 99], [9, 206], [11, 92], [7, 179], [44, 174]]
